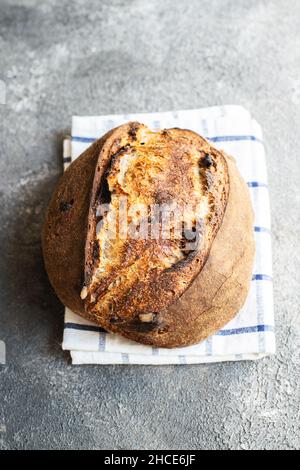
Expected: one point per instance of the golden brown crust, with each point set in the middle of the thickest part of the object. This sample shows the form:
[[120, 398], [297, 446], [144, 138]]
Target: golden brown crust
[[220, 289], [175, 306], [139, 279]]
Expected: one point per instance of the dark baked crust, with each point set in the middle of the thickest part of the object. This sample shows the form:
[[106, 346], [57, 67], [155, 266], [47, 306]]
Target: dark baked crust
[[183, 303], [64, 230]]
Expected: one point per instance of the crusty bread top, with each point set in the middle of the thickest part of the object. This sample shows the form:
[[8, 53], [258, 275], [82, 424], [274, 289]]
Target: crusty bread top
[[219, 290], [181, 296], [130, 281]]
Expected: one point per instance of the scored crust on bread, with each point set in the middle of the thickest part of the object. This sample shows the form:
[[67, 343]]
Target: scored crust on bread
[[149, 288], [220, 289], [129, 280]]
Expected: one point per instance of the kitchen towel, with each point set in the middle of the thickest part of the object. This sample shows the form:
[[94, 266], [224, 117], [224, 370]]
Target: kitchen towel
[[250, 335]]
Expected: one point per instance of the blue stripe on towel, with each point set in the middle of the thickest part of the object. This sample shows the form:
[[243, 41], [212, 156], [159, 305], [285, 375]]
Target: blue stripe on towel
[[208, 346], [102, 341], [220, 138], [86, 140], [261, 277], [76, 326], [262, 229], [182, 359], [246, 329], [125, 358], [256, 184], [235, 138]]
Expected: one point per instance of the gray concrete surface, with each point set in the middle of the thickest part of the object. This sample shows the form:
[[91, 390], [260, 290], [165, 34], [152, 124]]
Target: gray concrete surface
[[58, 58]]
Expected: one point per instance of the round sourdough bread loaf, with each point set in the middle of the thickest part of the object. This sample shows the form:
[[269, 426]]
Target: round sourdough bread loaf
[[150, 235]]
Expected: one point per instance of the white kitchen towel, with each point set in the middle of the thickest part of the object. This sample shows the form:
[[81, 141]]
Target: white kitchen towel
[[250, 335]]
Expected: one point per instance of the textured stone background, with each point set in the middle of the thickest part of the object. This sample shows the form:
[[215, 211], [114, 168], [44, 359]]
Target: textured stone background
[[58, 58]]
